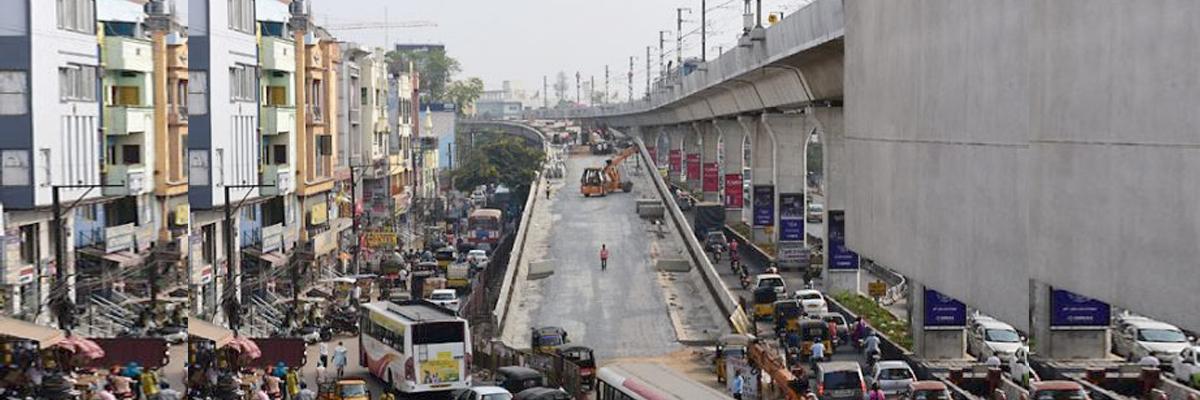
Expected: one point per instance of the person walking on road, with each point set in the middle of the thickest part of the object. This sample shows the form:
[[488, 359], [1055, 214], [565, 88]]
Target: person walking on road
[[323, 349], [876, 393], [547, 191], [339, 359], [738, 382], [306, 393], [603, 257]]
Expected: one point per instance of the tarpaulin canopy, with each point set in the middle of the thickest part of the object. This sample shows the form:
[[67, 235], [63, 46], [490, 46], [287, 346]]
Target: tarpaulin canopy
[[44, 335], [82, 347], [209, 331]]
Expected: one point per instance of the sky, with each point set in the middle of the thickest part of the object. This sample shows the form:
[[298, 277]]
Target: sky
[[524, 40]]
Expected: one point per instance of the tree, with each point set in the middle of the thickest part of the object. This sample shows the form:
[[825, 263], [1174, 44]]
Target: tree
[[498, 158], [435, 67], [561, 86], [464, 93]]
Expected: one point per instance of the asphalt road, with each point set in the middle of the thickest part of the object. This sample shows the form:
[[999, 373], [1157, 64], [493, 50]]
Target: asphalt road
[[620, 312]]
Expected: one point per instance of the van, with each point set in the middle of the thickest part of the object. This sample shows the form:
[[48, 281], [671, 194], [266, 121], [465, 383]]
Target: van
[[840, 380]]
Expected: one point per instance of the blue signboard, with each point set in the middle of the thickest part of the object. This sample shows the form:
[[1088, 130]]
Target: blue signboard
[[1070, 309], [840, 256], [942, 310], [764, 205], [791, 217]]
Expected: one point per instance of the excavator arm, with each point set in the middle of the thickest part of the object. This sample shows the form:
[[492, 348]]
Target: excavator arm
[[629, 151]]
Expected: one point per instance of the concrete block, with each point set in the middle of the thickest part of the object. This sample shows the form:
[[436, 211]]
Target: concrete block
[[540, 269], [945, 344], [650, 209], [673, 265], [1079, 344]]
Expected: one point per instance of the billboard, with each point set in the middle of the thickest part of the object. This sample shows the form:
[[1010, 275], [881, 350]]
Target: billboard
[[840, 256], [1070, 309], [693, 167], [711, 177], [944, 311], [733, 191], [764, 205], [791, 217], [653, 155], [674, 158]]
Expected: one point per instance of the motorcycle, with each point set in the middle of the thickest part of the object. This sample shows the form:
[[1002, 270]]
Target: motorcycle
[[717, 255], [744, 277]]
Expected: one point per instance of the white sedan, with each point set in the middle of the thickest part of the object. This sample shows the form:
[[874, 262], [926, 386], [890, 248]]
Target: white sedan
[[445, 297], [812, 301]]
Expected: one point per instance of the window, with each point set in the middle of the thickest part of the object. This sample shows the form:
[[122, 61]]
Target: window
[[125, 96], [242, 83], [276, 96], [180, 99], [29, 242], [279, 154], [273, 211], [197, 95], [324, 145], [183, 152], [316, 98], [76, 15], [131, 154], [122, 211], [439, 332], [209, 251], [363, 94], [241, 15], [14, 168], [77, 83], [14, 93]]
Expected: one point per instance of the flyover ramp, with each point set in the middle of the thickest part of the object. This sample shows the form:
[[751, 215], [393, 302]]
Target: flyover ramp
[[630, 310]]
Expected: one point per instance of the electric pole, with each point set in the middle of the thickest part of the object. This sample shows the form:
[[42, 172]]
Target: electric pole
[[662, 64], [679, 36], [648, 72], [577, 99], [631, 79], [605, 101], [703, 31], [545, 93]]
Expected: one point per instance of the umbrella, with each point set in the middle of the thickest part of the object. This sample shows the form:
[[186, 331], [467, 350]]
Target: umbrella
[[246, 347], [82, 347]]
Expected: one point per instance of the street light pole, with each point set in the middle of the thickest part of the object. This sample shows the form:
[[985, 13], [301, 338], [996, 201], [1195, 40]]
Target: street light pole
[[703, 31], [631, 79], [647, 72], [662, 64]]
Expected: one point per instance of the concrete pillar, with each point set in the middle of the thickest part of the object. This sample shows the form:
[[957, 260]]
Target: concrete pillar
[[674, 154], [710, 175], [1074, 342], [691, 156], [733, 137], [762, 171], [831, 133], [932, 342], [790, 131]]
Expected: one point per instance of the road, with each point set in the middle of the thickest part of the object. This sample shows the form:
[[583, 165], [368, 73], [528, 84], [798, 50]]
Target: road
[[621, 312]]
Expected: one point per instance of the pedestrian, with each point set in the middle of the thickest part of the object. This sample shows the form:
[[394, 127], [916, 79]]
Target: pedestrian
[[121, 386], [306, 393], [339, 359], [738, 383], [603, 257], [833, 334], [547, 191], [292, 383], [323, 349], [271, 386], [876, 393], [993, 361], [871, 344], [321, 373], [166, 393], [105, 393]]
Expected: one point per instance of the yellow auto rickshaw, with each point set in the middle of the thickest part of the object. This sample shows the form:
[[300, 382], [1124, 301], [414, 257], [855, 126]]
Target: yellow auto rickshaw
[[547, 339], [787, 315], [732, 345], [764, 303], [445, 256], [812, 331], [345, 389]]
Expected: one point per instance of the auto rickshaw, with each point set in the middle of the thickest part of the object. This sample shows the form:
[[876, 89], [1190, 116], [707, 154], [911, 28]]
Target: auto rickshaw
[[345, 389], [787, 316], [764, 303], [732, 345], [812, 331], [514, 379], [582, 356], [445, 256], [547, 339]]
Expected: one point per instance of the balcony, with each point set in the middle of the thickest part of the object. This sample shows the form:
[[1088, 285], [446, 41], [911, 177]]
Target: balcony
[[324, 242], [272, 238], [127, 54], [128, 120], [381, 125], [278, 54], [131, 178], [278, 119], [119, 238], [280, 177]]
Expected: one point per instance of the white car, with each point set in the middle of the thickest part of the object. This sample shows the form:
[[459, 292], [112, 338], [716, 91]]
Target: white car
[[812, 300], [445, 297], [989, 336], [1137, 337], [772, 280], [1187, 366], [893, 377], [484, 393], [477, 257]]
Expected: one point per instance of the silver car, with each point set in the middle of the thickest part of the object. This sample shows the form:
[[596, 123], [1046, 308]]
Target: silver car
[[893, 377]]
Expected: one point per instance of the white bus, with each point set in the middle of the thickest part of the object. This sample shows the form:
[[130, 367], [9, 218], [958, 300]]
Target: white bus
[[415, 346], [647, 381]]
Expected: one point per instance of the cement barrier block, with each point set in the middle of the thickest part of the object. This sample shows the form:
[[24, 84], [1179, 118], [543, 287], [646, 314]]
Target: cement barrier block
[[673, 265], [539, 270]]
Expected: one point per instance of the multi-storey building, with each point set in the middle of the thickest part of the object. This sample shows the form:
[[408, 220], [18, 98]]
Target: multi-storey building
[[224, 145], [322, 58]]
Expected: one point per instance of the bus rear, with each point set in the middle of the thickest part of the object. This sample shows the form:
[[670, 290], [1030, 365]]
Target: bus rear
[[416, 346], [441, 358]]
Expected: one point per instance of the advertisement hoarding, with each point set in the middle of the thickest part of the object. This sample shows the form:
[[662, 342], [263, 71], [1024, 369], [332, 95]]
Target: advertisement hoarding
[[733, 191], [764, 205], [1070, 309], [711, 177], [791, 217], [840, 256], [674, 159], [693, 167], [943, 311]]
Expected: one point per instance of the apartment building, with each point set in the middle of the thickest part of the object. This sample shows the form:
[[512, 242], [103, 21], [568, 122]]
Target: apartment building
[[322, 59], [224, 148]]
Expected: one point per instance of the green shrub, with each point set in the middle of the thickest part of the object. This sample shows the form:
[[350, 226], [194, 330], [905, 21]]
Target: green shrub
[[879, 318]]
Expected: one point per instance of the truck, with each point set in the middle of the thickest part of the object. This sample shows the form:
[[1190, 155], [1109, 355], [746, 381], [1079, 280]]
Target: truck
[[458, 276], [709, 216]]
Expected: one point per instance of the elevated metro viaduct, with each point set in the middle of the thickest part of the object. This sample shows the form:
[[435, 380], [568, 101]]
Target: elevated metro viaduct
[[992, 153]]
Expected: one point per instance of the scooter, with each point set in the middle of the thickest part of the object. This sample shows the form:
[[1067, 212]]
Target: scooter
[[745, 279]]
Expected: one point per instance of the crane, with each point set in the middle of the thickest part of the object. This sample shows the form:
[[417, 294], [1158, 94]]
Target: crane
[[605, 180], [381, 25]]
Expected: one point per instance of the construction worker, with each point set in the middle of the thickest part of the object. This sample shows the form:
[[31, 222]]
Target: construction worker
[[603, 257]]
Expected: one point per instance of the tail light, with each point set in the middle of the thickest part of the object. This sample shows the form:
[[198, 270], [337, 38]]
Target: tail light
[[467, 359], [410, 373], [820, 389]]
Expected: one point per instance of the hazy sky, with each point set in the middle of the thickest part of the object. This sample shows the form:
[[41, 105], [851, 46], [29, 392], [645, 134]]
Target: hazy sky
[[522, 40]]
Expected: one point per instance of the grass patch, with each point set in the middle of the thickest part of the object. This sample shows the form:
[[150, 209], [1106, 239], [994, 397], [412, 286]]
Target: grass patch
[[768, 248], [879, 318], [742, 229]]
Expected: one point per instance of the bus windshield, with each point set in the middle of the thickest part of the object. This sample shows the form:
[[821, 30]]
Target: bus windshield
[[439, 332], [485, 223]]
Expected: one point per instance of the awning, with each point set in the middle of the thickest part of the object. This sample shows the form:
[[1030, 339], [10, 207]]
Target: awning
[[120, 258], [45, 336], [209, 331], [274, 258]]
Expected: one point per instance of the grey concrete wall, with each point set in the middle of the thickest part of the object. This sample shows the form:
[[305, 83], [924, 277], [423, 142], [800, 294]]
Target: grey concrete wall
[[991, 143], [733, 140]]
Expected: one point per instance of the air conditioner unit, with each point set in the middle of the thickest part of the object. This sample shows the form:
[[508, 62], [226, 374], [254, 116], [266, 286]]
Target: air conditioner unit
[[156, 7]]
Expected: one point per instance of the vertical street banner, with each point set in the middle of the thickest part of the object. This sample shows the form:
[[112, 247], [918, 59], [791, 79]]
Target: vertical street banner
[[653, 154], [840, 256], [1073, 310], [733, 191], [711, 177], [693, 167], [791, 217], [944, 311], [764, 205], [675, 157]]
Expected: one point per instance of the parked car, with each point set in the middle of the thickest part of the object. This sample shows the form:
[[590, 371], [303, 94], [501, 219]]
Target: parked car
[[840, 380], [477, 258], [484, 393], [1137, 337], [1057, 390], [445, 297], [1187, 366], [927, 390], [816, 212], [774, 281], [893, 377], [516, 378], [988, 336], [812, 300]]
